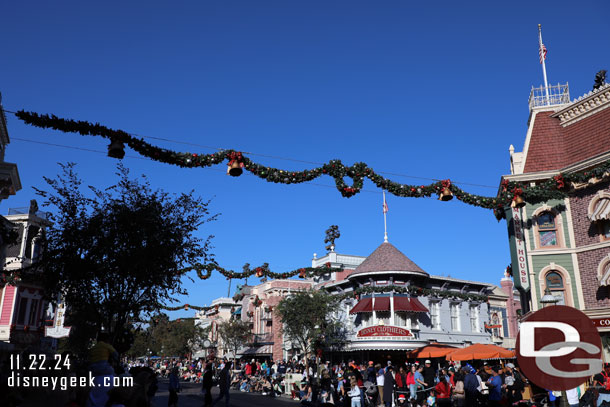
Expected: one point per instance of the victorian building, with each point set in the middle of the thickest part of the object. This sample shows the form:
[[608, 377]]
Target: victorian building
[[22, 307], [389, 305], [562, 246]]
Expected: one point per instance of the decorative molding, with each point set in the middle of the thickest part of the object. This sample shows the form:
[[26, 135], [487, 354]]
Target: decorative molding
[[585, 106]]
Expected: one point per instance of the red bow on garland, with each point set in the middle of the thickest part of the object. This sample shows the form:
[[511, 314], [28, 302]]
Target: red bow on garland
[[559, 180], [236, 157]]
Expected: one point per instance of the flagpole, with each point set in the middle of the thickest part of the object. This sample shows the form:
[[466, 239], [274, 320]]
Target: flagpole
[[385, 224], [542, 59]]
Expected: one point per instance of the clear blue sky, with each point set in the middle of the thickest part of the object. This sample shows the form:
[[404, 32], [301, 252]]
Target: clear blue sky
[[426, 89]]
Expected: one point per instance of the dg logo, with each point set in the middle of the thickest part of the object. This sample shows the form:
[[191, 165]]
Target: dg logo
[[558, 348]]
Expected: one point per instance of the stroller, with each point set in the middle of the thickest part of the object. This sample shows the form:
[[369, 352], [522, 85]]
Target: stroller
[[369, 391]]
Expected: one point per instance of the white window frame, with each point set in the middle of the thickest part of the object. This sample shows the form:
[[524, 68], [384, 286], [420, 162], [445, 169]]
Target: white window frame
[[413, 322], [435, 315], [455, 316], [401, 319], [366, 321], [475, 326]]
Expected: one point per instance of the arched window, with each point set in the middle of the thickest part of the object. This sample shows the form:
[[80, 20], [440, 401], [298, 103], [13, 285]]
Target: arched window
[[554, 282], [547, 229], [599, 212]]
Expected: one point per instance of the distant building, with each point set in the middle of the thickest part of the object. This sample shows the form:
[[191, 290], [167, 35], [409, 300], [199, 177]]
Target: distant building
[[391, 305], [222, 310], [22, 307], [401, 307]]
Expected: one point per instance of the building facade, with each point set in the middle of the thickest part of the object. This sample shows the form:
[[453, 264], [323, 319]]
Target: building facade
[[563, 245], [389, 305], [22, 307], [396, 306]]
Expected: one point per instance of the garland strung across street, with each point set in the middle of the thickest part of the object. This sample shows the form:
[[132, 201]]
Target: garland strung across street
[[411, 290], [510, 193], [204, 271]]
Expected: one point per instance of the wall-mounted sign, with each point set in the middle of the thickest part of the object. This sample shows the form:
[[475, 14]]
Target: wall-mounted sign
[[382, 330], [517, 249], [601, 322]]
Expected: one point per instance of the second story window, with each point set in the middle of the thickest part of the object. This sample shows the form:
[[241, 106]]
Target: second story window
[[474, 318], [435, 315], [455, 316], [547, 230]]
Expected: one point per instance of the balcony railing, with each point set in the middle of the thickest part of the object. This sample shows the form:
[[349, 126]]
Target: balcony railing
[[25, 210], [262, 338]]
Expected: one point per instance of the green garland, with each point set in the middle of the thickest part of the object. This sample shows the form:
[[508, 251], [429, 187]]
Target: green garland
[[204, 271], [555, 188], [334, 168], [411, 290], [416, 291]]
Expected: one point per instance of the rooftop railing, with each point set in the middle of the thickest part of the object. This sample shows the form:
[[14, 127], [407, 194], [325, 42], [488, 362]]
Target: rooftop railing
[[556, 95]]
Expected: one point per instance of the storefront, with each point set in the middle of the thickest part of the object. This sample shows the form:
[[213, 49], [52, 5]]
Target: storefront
[[601, 320]]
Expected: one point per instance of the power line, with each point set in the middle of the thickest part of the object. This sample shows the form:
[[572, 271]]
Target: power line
[[284, 158], [144, 158]]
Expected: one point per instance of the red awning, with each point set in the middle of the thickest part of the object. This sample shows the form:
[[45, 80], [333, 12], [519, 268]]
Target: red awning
[[402, 304], [408, 304], [382, 304], [364, 305], [419, 307]]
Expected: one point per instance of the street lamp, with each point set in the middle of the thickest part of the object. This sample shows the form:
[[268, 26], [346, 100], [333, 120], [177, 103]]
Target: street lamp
[[548, 298]]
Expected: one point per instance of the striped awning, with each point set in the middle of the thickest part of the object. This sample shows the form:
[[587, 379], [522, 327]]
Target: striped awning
[[364, 305], [601, 210], [381, 304], [408, 304], [419, 307]]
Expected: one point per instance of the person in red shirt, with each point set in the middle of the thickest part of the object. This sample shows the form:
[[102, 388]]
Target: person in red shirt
[[411, 384], [401, 380], [443, 392]]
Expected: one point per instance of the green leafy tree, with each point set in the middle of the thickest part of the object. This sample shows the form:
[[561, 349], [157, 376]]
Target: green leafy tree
[[116, 254], [234, 333], [309, 320], [162, 337]]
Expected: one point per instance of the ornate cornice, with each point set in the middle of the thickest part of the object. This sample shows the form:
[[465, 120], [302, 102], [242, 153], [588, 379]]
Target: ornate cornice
[[585, 106]]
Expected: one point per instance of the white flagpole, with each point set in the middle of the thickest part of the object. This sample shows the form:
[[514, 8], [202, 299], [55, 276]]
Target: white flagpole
[[385, 224], [542, 58]]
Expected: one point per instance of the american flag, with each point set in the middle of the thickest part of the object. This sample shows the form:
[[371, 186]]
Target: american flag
[[542, 52], [385, 205]]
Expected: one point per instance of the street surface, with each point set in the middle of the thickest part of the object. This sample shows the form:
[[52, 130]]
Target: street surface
[[191, 396]]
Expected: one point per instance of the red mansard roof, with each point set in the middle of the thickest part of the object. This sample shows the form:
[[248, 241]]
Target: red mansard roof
[[553, 146]]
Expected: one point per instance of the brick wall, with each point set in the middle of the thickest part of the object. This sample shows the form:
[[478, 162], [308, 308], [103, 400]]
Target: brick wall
[[585, 231], [596, 296]]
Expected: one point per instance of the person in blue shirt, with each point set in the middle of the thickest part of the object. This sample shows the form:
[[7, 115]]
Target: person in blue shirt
[[494, 383]]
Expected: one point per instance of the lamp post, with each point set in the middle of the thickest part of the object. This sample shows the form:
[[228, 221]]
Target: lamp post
[[548, 298]]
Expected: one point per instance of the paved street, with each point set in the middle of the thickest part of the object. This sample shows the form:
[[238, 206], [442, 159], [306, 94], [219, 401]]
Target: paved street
[[191, 397]]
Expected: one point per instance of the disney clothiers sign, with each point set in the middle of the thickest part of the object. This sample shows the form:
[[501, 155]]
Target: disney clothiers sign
[[381, 330]]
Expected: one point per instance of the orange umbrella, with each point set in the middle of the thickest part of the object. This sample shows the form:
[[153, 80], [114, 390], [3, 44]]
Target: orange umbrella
[[481, 351], [434, 350]]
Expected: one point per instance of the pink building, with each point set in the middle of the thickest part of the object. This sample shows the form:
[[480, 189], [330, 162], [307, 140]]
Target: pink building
[[22, 307]]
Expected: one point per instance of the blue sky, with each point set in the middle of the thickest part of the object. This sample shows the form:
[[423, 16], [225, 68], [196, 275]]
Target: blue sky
[[424, 89]]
